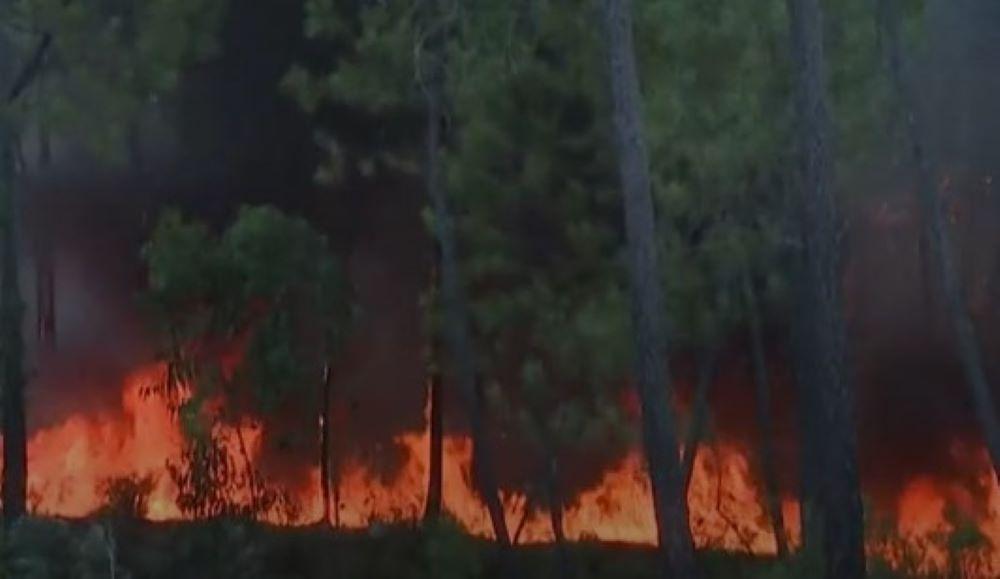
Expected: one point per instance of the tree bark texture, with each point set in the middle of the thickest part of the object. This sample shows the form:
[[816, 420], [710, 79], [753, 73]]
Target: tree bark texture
[[699, 414], [659, 431], [831, 406], [324, 444], [452, 298], [435, 395], [765, 421], [14, 486]]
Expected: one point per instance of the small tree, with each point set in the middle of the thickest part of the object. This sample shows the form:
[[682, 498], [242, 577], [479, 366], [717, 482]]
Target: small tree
[[539, 233], [255, 316]]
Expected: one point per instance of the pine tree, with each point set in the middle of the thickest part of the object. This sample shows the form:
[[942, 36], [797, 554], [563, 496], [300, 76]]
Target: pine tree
[[826, 374], [659, 424], [540, 239]]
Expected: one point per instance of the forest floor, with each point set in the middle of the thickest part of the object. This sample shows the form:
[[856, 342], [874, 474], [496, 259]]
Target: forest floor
[[231, 549]]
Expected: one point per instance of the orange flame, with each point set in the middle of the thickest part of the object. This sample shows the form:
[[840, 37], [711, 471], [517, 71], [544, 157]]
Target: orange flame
[[69, 462]]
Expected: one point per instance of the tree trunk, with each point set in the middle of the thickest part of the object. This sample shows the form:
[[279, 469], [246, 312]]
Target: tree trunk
[[966, 339], [811, 446], [699, 414], [826, 369], [457, 330], [435, 395], [762, 389], [554, 501], [45, 279], [563, 563], [435, 398], [324, 444], [14, 487], [45, 293], [652, 375]]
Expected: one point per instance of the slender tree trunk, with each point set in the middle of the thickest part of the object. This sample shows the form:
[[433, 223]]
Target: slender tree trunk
[[45, 279], [435, 481], [562, 552], [14, 487], [324, 444], [563, 562], [652, 374], [45, 291], [827, 366], [435, 398], [335, 483], [967, 342], [457, 330], [699, 414], [762, 389], [811, 445]]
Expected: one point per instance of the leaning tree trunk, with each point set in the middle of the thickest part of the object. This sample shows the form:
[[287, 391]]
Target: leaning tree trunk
[[14, 487], [765, 423], [457, 330], [937, 233], [827, 372], [652, 378]]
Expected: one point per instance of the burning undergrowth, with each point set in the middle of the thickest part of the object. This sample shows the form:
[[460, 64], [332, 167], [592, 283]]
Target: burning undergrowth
[[124, 444], [139, 460], [105, 438]]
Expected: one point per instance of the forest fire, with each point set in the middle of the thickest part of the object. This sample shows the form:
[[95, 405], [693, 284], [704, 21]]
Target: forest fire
[[71, 463]]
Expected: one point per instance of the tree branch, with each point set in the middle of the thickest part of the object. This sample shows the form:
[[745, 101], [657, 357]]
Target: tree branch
[[31, 68]]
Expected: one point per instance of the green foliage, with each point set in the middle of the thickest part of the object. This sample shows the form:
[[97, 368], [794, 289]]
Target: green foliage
[[537, 214], [248, 320], [716, 98], [108, 59], [267, 291], [378, 48]]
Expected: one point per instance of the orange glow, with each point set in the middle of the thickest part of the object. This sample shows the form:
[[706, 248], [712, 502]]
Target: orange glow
[[69, 462]]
